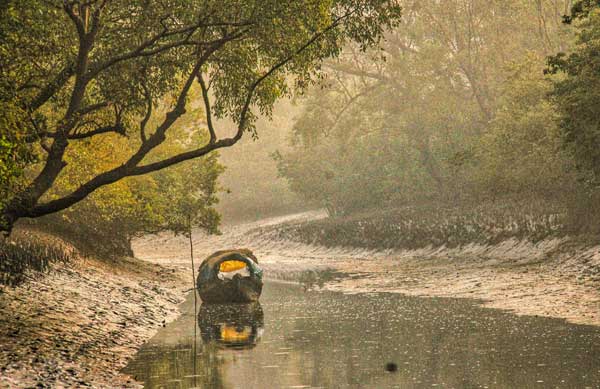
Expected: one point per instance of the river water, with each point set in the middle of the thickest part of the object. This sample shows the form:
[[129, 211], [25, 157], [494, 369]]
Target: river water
[[312, 339]]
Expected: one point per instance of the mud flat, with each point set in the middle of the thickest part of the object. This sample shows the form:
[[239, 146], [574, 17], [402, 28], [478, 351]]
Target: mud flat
[[555, 278], [524, 278], [79, 324]]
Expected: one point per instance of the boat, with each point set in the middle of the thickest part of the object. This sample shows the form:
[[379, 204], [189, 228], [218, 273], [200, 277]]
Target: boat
[[230, 276]]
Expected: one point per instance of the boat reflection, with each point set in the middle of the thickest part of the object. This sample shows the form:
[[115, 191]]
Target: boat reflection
[[231, 326]]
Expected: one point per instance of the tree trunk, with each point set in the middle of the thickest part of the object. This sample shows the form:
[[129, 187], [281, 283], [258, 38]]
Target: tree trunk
[[24, 202]]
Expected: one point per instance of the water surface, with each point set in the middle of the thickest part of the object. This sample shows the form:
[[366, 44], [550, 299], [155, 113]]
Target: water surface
[[298, 339]]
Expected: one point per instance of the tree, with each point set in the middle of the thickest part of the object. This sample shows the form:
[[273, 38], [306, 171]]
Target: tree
[[521, 152], [15, 152], [82, 70], [162, 200], [577, 91]]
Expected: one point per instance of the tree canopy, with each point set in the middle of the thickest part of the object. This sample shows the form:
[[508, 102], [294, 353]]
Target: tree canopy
[[576, 93], [76, 73]]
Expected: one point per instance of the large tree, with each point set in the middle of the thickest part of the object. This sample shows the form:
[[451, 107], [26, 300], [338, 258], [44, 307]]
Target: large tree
[[75, 71]]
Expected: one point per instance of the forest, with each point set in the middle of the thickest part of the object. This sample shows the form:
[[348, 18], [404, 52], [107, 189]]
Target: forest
[[86, 112], [478, 113], [458, 110]]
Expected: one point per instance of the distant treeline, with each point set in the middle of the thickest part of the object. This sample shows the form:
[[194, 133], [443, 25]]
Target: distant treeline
[[477, 105]]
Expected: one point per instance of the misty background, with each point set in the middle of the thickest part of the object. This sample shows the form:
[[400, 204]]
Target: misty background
[[456, 116]]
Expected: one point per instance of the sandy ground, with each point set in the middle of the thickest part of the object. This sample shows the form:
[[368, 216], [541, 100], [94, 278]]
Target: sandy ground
[[78, 325], [552, 278]]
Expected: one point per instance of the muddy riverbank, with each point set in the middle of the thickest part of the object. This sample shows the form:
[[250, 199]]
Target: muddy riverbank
[[79, 324], [555, 278]]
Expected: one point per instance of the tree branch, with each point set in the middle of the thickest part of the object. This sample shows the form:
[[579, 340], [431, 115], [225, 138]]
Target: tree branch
[[141, 50], [54, 86], [244, 113], [179, 109], [350, 102], [116, 128], [147, 115], [359, 73], [68, 7], [91, 108], [209, 122]]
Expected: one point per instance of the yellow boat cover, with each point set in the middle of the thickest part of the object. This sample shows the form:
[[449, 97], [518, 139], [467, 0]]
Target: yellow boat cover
[[233, 265]]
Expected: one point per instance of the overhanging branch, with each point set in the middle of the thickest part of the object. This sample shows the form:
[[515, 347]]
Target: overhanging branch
[[131, 168]]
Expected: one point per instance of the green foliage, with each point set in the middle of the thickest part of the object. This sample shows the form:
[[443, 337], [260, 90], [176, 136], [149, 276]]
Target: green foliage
[[190, 194], [15, 153], [106, 89], [577, 95], [521, 153], [168, 199], [581, 9], [272, 30]]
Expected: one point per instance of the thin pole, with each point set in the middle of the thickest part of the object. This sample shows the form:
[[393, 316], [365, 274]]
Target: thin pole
[[189, 234], [193, 267], [194, 351]]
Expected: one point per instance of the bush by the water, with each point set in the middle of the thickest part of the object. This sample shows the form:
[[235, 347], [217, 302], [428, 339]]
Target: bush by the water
[[18, 260]]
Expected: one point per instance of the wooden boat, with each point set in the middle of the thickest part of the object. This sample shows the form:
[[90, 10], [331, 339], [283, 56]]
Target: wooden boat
[[230, 276]]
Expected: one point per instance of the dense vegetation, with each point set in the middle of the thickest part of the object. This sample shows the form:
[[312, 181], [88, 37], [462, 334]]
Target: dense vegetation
[[477, 110], [96, 95], [470, 106]]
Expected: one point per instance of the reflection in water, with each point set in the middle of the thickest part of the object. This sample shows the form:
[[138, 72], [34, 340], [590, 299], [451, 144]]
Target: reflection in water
[[332, 340], [311, 278], [237, 326], [176, 357]]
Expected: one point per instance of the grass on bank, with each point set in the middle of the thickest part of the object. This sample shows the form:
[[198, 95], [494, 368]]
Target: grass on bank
[[20, 259], [433, 225]]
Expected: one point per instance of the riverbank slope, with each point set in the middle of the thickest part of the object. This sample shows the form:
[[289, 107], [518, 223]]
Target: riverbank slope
[[555, 277], [79, 323]]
